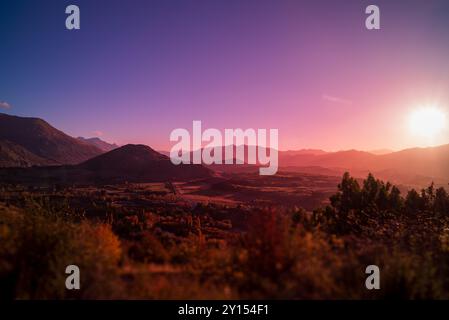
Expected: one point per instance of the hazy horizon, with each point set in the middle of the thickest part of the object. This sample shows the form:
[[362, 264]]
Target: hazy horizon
[[373, 151]]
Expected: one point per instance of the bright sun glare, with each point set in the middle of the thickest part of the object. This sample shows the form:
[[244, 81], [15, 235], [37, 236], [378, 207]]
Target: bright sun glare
[[427, 122]]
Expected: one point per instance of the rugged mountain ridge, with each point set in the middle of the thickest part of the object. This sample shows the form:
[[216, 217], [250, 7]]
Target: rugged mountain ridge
[[40, 143]]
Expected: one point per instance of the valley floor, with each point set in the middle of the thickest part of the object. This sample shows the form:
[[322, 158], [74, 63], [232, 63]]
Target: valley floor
[[236, 238]]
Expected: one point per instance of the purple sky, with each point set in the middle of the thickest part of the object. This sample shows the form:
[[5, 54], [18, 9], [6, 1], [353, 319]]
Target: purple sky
[[139, 69]]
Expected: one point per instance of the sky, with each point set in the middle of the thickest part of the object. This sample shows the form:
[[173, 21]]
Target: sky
[[136, 70]]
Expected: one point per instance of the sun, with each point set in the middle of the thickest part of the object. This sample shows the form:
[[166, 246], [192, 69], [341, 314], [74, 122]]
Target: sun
[[427, 122]]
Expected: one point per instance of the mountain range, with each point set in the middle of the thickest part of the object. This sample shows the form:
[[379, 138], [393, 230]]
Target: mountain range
[[31, 150], [414, 166], [26, 142], [432, 162]]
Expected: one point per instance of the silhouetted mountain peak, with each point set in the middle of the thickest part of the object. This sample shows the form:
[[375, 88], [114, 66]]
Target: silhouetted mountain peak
[[138, 150], [137, 162], [125, 158], [101, 144]]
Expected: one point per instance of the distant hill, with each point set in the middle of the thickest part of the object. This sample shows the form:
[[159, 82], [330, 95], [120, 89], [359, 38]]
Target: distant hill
[[351, 159], [130, 163], [431, 162], [100, 144], [303, 152], [141, 163], [417, 165], [381, 151], [32, 141]]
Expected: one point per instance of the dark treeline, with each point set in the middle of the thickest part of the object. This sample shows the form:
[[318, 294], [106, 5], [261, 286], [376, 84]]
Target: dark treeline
[[354, 206]]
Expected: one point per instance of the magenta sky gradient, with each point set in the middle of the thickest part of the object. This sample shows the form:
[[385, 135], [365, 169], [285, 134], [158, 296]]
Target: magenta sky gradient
[[138, 70]]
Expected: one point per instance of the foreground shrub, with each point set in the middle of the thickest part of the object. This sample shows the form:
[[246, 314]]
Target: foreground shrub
[[36, 247]]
